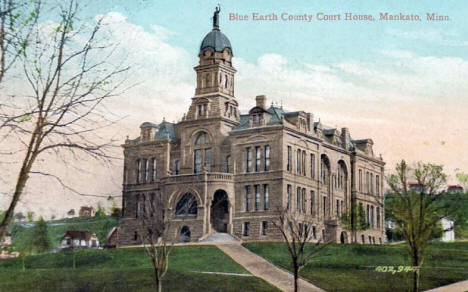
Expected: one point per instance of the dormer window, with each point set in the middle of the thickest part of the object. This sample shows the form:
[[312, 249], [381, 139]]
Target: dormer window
[[257, 120]]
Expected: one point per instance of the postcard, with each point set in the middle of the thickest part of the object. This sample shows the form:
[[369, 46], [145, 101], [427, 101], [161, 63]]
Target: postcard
[[158, 145]]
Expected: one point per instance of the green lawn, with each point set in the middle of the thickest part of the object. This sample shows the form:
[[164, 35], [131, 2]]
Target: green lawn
[[126, 270], [352, 267], [56, 229]]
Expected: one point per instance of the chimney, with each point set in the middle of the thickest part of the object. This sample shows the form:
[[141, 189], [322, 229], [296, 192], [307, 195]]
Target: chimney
[[261, 101], [345, 137]]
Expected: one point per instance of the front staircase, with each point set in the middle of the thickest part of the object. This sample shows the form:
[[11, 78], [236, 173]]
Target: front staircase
[[219, 237]]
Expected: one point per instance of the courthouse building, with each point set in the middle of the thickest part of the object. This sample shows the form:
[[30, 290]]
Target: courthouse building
[[220, 170]]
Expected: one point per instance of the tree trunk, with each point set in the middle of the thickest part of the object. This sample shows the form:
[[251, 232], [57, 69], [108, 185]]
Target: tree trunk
[[415, 262], [23, 177], [296, 276]]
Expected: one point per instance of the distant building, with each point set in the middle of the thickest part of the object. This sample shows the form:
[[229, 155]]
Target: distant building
[[111, 238], [79, 239], [71, 213], [448, 227], [415, 186], [454, 189], [86, 212], [4, 253], [6, 241]]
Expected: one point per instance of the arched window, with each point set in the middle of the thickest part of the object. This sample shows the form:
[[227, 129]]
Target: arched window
[[201, 152], [186, 206]]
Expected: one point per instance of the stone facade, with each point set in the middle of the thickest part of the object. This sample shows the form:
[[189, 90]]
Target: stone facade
[[220, 170]]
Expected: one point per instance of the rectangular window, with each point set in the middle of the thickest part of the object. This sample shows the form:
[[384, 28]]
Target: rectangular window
[[367, 182], [228, 162], [257, 197], [258, 156], [312, 198], [138, 171], [377, 185], [143, 205], [342, 208], [304, 200], [267, 158], [197, 161], [176, 167], [298, 161], [145, 170], [153, 169], [337, 208], [151, 205], [248, 165], [264, 227], [298, 199], [371, 183], [208, 159], [378, 217], [288, 197], [360, 180], [247, 199], [288, 165], [266, 198], [368, 214], [137, 202], [312, 165], [372, 216], [304, 163], [245, 229], [314, 232], [324, 206]]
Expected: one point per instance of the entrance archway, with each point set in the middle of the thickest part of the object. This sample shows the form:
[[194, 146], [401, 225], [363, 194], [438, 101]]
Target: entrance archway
[[220, 211], [344, 237], [184, 235]]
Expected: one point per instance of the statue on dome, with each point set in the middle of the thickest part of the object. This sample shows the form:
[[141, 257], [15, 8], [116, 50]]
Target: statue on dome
[[216, 17]]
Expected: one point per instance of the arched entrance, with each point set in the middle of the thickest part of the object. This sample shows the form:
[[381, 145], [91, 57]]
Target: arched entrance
[[220, 211], [184, 235], [344, 237]]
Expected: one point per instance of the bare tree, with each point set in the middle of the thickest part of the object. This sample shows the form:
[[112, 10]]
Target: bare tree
[[70, 75], [17, 19], [298, 233], [153, 234], [413, 209]]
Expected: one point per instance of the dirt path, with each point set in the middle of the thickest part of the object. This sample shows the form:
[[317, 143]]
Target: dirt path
[[261, 268]]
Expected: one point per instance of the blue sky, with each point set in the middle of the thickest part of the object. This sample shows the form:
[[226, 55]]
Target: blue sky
[[318, 42], [403, 84]]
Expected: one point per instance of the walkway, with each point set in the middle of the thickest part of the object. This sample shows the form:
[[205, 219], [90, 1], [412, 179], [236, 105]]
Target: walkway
[[459, 287], [261, 268]]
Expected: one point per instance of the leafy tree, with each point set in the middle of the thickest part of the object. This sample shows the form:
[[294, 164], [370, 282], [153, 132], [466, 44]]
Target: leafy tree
[[354, 220], [463, 180], [100, 213], [40, 237], [30, 216], [414, 209]]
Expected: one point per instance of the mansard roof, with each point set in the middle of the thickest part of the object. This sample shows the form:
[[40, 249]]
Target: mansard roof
[[166, 130]]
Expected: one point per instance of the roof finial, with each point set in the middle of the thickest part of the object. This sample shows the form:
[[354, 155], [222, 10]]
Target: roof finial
[[216, 17]]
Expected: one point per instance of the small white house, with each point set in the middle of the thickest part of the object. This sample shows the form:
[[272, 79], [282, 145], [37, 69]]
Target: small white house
[[448, 227], [79, 239]]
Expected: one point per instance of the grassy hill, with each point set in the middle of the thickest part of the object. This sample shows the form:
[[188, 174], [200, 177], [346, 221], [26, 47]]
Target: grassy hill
[[191, 268], [352, 267], [101, 226]]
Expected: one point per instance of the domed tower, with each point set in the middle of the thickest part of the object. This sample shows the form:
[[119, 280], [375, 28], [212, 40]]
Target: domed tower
[[214, 94]]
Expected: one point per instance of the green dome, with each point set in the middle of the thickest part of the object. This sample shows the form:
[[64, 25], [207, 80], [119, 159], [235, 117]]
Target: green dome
[[216, 41]]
